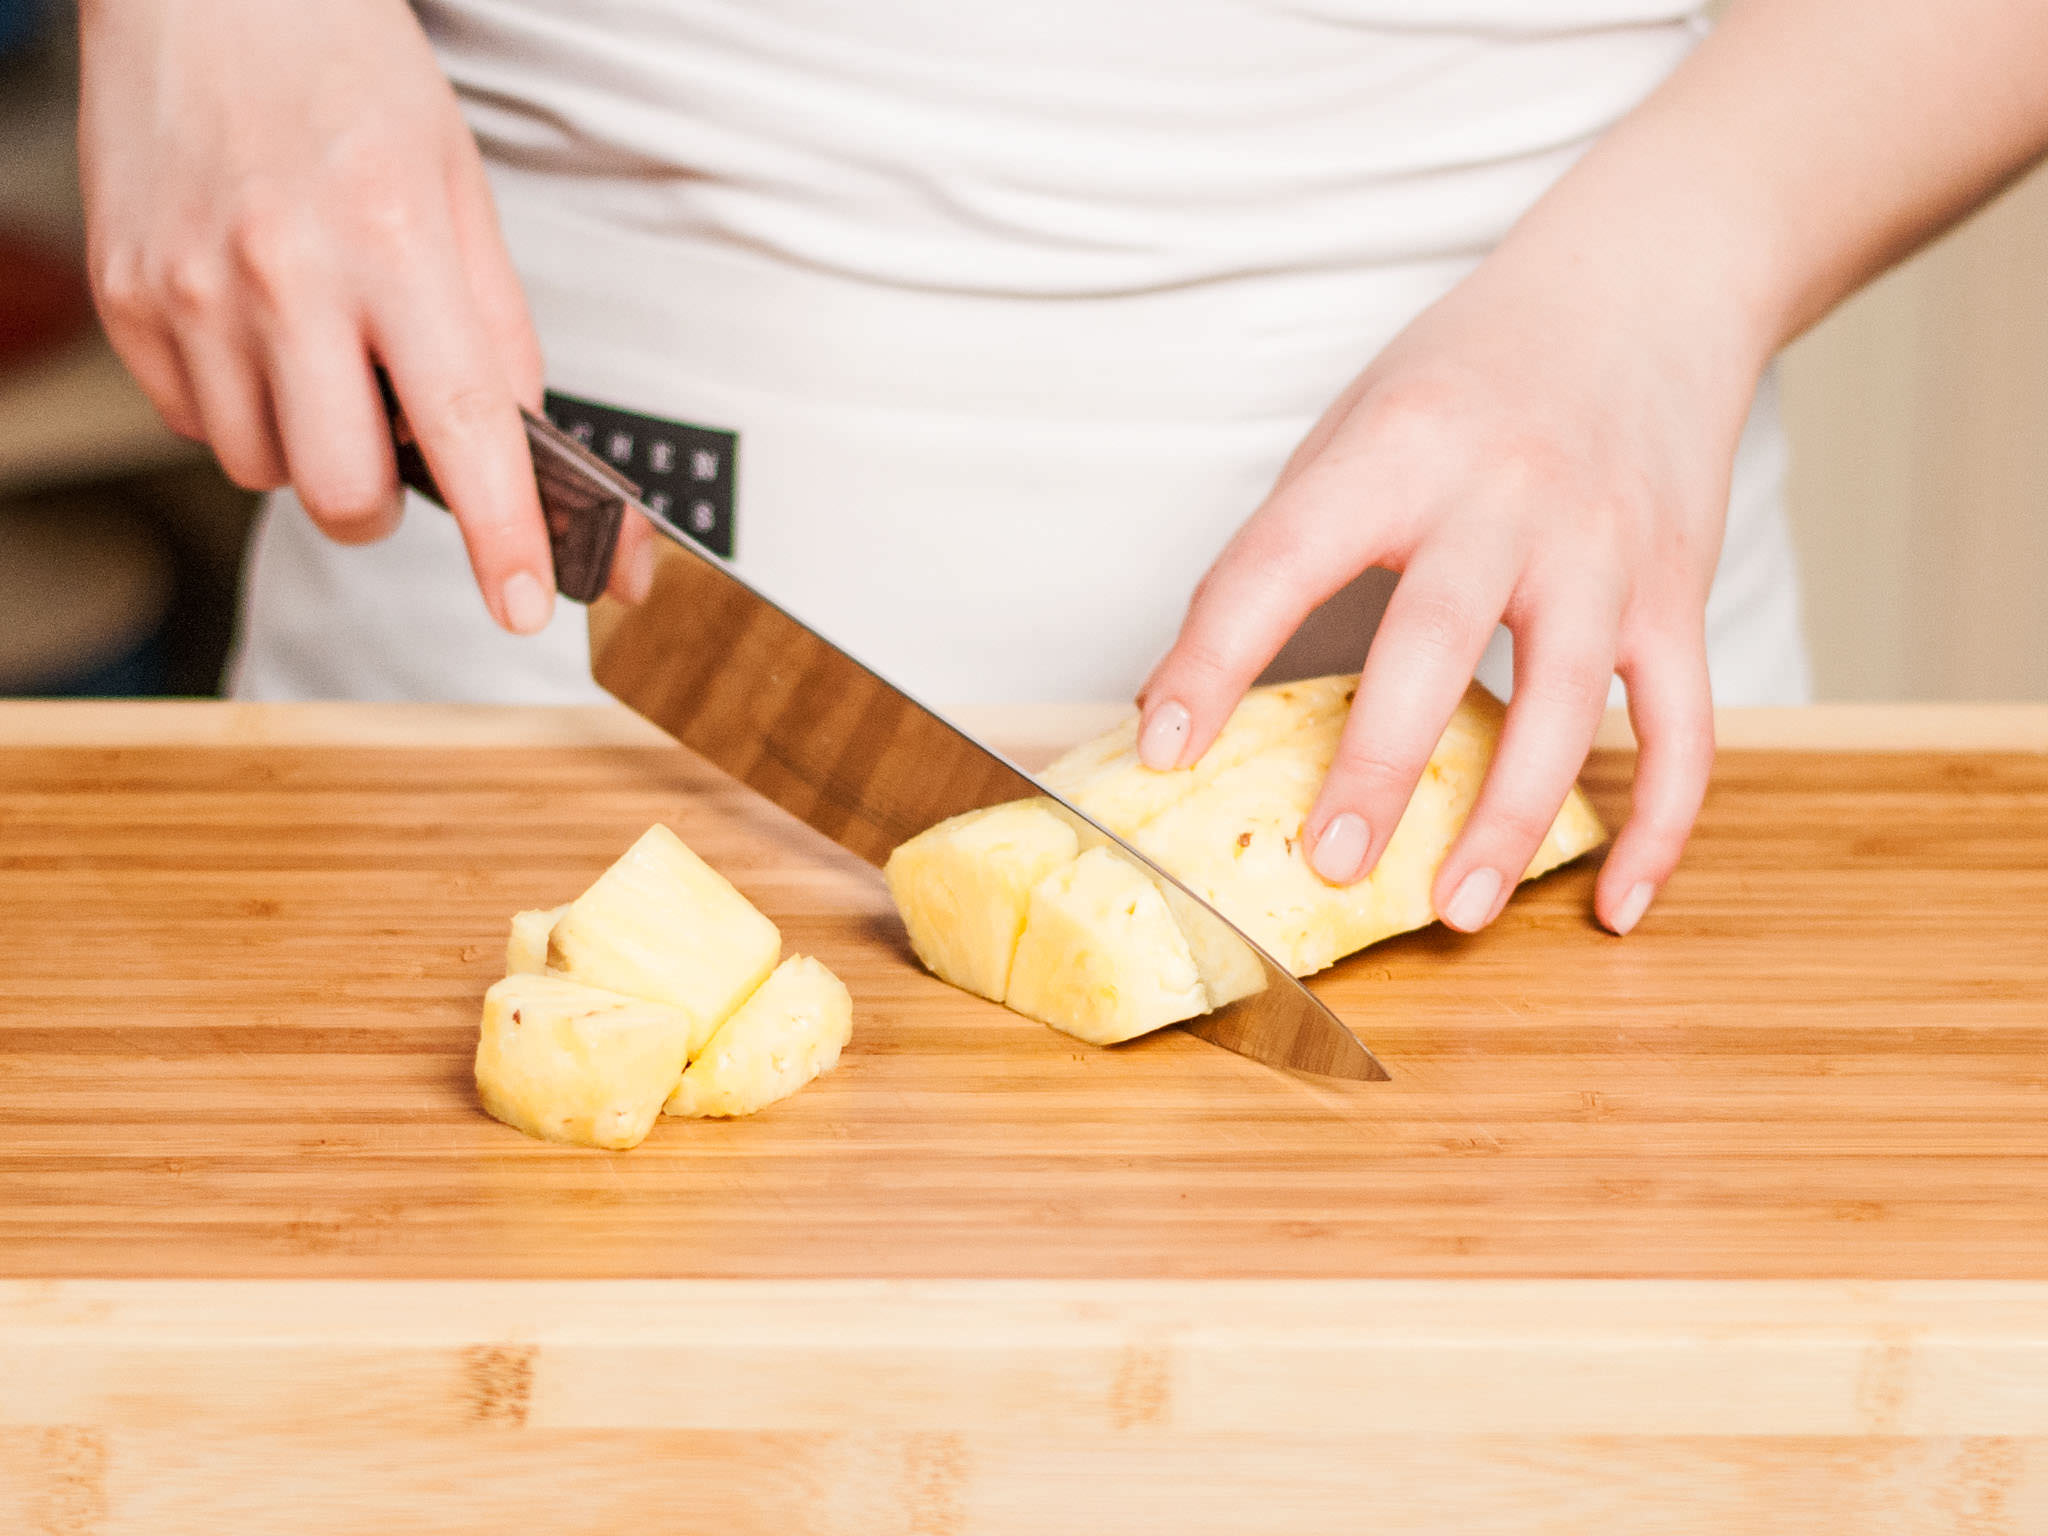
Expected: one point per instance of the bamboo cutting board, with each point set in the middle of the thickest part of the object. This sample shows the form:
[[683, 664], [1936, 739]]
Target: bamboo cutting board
[[1741, 1223], [243, 982]]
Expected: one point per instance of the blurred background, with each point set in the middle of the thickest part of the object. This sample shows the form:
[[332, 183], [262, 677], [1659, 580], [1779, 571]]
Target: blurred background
[[119, 543], [1919, 484]]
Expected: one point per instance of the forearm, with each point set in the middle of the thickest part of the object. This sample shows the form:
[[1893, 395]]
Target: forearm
[[1803, 148]]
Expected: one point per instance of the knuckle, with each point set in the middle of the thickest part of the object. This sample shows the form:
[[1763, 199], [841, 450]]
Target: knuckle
[[1671, 810], [1587, 564], [375, 180], [1534, 465], [468, 411], [1370, 774], [118, 287], [1273, 582], [1413, 414], [1694, 754], [252, 472], [351, 524], [342, 503], [1667, 828], [366, 163], [272, 249], [193, 283], [1570, 681], [1522, 823], [1681, 737], [1633, 498], [386, 216], [1201, 658], [1440, 621], [181, 422]]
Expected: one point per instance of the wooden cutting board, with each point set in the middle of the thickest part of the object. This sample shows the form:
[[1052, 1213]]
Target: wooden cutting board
[[1636, 1235], [243, 981]]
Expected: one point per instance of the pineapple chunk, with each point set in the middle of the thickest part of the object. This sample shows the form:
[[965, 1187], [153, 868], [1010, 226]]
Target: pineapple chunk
[[962, 887], [1101, 956], [567, 1062], [664, 925], [1236, 842], [787, 1033], [526, 952], [1104, 778], [1226, 964]]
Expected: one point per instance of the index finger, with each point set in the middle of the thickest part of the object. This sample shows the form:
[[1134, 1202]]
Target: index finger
[[463, 412]]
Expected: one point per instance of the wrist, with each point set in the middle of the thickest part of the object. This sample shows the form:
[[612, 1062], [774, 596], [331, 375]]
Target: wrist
[[1673, 273]]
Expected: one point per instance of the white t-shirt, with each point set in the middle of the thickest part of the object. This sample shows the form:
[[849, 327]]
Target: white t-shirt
[[1016, 310]]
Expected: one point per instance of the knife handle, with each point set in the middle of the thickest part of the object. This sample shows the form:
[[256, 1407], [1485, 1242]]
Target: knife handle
[[582, 498]]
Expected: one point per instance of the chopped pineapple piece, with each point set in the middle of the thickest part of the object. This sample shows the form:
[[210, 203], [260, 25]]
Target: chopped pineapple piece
[[664, 925], [1101, 956], [787, 1033], [1105, 779], [963, 885], [568, 1062], [526, 952], [1236, 842], [1226, 964]]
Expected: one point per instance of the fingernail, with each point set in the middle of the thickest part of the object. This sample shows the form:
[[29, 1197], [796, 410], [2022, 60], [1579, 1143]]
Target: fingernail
[[527, 603], [1339, 854], [1633, 906], [1472, 903], [1165, 734], [640, 572]]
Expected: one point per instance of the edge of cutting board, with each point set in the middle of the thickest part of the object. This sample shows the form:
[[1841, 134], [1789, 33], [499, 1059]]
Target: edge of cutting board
[[1571, 1357], [1028, 731]]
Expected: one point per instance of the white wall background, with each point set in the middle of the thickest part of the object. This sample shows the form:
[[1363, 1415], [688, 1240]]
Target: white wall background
[[1919, 496]]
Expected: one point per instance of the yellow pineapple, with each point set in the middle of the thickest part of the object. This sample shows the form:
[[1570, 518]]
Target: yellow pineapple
[[664, 925], [526, 951], [962, 887], [1104, 778], [1101, 956], [1236, 842], [787, 1033], [567, 1062], [1094, 956], [1228, 968]]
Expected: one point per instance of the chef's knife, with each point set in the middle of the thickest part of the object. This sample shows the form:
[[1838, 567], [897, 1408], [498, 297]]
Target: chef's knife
[[742, 682]]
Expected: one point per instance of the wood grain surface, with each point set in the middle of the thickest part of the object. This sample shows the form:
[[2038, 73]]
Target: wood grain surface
[[947, 1408], [1734, 1226], [241, 998]]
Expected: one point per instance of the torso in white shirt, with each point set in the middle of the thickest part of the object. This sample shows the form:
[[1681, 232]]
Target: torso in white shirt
[[1016, 310]]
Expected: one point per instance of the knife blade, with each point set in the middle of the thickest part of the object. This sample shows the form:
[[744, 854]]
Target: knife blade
[[748, 686]]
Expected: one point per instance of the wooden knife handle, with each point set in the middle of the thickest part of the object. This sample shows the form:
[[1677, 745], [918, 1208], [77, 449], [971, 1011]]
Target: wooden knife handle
[[582, 497]]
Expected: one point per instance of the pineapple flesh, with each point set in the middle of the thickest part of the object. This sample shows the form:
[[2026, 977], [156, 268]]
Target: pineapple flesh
[[1229, 827], [1236, 842], [1104, 779], [526, 951], [568, 1062], [1101, 956], [664, 925], [656, 988], [791, 1030], [963, 887]]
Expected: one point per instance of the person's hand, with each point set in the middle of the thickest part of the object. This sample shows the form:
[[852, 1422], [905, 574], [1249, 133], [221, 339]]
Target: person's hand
[[280, 197], [1533, 450]]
